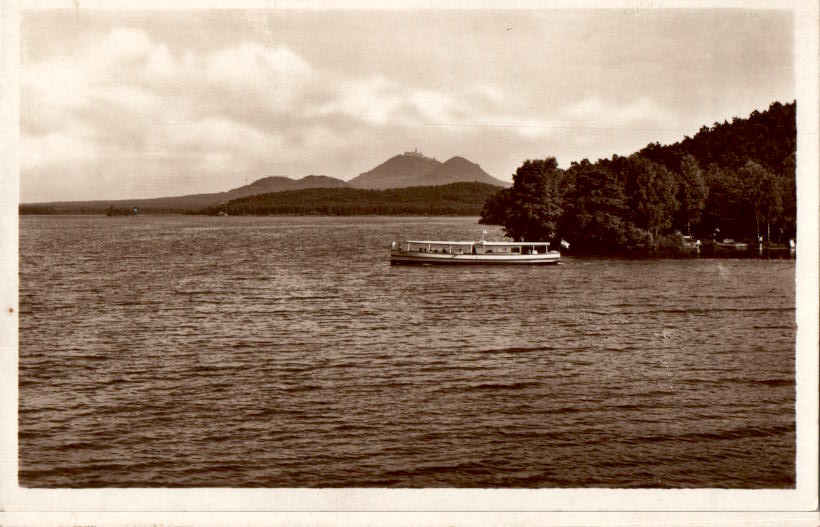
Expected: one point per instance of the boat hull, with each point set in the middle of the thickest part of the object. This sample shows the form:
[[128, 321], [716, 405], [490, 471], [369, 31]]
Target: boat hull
[[411, 258]]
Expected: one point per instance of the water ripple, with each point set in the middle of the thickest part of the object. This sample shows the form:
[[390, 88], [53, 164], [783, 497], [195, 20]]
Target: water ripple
[[286, 352]]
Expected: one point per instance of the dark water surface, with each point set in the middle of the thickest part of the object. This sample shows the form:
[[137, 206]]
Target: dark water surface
[[287, 352]]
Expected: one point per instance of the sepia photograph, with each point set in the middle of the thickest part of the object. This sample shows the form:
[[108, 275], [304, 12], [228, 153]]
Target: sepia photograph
[[359, 249]]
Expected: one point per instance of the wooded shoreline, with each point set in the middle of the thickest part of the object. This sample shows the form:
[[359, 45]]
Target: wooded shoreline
[[730, 181]]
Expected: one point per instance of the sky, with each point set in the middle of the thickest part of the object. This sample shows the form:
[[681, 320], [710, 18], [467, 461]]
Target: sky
[[135, 104]]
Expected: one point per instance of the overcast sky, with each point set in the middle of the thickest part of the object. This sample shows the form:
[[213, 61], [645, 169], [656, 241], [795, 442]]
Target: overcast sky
[[144, 104]]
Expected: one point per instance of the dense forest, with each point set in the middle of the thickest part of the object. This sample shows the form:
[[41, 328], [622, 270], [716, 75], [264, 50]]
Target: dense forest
[[732, 180], [443, 200], [93, 207]]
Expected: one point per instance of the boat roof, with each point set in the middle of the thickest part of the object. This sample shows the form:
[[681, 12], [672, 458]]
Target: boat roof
[[494, 244]]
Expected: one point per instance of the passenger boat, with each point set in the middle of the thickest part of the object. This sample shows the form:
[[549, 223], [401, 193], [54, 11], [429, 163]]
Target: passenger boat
[[482, 252], [732, 245]]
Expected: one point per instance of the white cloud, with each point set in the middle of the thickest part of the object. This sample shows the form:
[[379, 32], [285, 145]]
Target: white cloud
[[220, 134], [489, 94], [535, 128], [433, 105], [306, 93], [276, 73], [594, 112], [250, 108], [591, 114], [316, 138], [378, 101], [69, 146], [160, 65], [124, 43], [56, 84], [375, 101], [128, 90]]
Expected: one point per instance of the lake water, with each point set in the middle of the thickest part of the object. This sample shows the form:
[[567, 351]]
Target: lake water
[[287, 352]]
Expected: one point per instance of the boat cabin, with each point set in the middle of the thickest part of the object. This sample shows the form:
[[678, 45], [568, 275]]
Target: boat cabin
[[461, 247]]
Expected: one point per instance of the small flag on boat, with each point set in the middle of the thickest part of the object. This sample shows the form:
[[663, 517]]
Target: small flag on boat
[[564, 244]]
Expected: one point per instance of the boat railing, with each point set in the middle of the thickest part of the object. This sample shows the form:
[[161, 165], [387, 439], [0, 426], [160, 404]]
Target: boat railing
[[479, 247]]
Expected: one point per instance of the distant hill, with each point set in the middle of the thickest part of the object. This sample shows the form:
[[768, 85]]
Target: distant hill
[[410, 169], [457, 169], [404, 170], [282, 183], [465, 199], [184, 203], [413, 169]]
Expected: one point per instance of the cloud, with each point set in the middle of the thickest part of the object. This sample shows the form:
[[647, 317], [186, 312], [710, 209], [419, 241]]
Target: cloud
[[69, 146], [188, 101], [221, 142], [595, 112], [252, 64], [124, 93], [378, 102], [275, 74], [124, 43], [245, 108], [374, 101]]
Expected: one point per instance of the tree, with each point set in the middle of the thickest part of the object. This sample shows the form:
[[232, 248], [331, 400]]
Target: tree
[[534, 206], [789, 187], [703, 183], [594, 209], [723, 213], [692, 193], [496, 209], [650, 189], [763, 194]]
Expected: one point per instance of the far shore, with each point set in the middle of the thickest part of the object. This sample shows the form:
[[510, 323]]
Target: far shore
[[707, 250]]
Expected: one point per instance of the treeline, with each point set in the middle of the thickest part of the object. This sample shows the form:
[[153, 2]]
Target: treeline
[[69, 208], [120, 211], [731, 180], [36, 209], [455, 199]]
